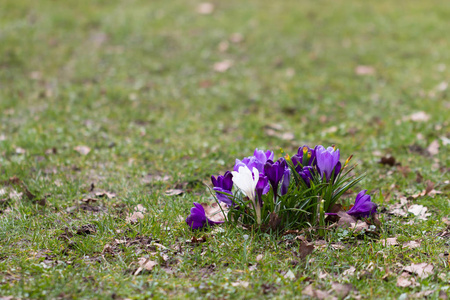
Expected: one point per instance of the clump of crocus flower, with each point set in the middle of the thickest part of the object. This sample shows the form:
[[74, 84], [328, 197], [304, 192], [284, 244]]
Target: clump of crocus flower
[[295, 190]]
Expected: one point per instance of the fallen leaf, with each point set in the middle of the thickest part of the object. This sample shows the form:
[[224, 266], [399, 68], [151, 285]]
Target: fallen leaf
[[349, 272], [423, 270], [205, 8], [86, 229], [289, 275], [364, 70], [240, 283], [411, 244], [317, 294], [404, 170], [19, 150], [236, 38], [138, 214], [83, 150], [433, 148], [214, 211], [341, 290], [145, 264], [223, 66], [259, 257], [419, 211], [305, 249], [105, 194], [174, 192], [419, 116], [389, 242], [405, 280]]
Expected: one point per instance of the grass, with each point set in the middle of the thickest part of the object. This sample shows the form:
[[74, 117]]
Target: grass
[[134, 81]]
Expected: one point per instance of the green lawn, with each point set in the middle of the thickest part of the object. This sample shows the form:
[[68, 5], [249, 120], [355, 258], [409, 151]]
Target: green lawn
[[138, 83]]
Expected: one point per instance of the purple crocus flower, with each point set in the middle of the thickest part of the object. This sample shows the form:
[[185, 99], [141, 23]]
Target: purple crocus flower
[[328, 161], [258, 160], [285, 182], [363, 207], [260, 187], [306, 175], [305, 156], [274, 172], [197, 219], [224, 184]]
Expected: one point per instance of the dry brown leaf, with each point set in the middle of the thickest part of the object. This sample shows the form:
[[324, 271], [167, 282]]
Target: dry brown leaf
[[419, 116], [364, 70], [236, 38], [223, 66], [411, 244], [419, 211], [83, 150], [389, 242], [145, 264], [317, 294], [404, 170], [405, 280], [290, 275], [138, 214], [240, 283], [19, 150], [174, 192], [349, 272], [433, 148], [205, 8], [305, 249], [214, 211], [423, 270], [341, 290]]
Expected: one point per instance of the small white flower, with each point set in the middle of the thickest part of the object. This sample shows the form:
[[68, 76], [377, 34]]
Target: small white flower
[[243, 179]]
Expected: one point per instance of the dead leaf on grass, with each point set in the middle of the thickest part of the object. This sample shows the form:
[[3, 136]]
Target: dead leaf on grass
[[419, 116], [289, 275], [205, 8], [106, 194], [174, 192], [214, 211], [236, 38], [404, 170], [364, 70], [86, 229], [145, 264], [305, 249], [341, 290], [405, 280], [411, 244], [349, 272], [389, 242], [419, 211], [423, 270], [433, 148], [83, 150], [223, 66], [317, 294], [240, 283], [138, 214]]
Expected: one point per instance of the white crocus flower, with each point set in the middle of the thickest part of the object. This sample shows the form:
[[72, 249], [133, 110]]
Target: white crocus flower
[[246, 182]]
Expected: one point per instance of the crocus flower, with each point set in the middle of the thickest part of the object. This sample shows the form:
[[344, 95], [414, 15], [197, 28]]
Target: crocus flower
[[197, 219], [223, 184], [285, 181], [328, 161], [246, 181], [260, 186], [306, 175], [257, 161], [363, 207], [305, 157], [274, 172]]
